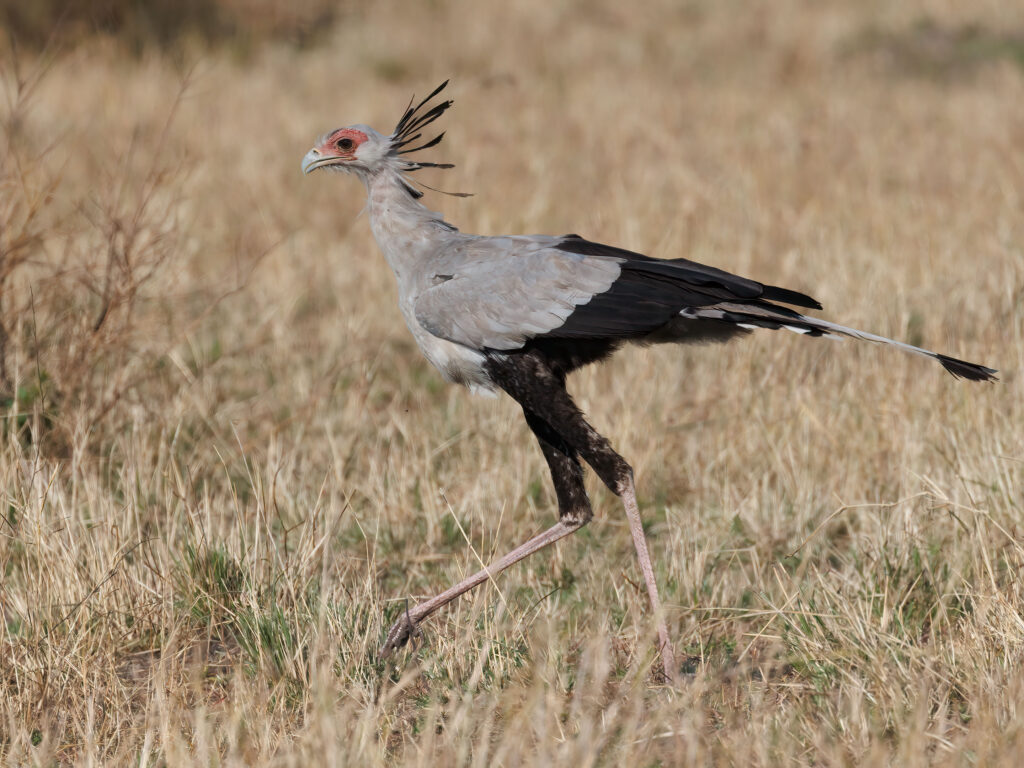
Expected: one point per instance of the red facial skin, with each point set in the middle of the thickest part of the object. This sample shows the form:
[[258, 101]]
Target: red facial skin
[[331, 148]]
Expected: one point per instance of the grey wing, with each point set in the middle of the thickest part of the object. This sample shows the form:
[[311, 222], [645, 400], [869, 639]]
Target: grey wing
[[498, 292]]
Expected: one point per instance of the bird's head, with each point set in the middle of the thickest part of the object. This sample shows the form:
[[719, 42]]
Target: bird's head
[[362, 150], [355, 148]]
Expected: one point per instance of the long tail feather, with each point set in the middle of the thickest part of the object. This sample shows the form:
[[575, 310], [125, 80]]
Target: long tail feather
[[767, 316]]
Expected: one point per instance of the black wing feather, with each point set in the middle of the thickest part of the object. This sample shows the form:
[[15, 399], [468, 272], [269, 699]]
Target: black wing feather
[[691, 271], [650, 293], [636, 304]]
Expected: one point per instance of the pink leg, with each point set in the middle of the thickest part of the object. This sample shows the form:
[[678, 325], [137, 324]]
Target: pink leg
[[636, 527], [406, 626], [564, 436]]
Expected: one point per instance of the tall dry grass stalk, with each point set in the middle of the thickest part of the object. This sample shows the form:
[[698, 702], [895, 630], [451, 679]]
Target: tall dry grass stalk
[[226, 466]]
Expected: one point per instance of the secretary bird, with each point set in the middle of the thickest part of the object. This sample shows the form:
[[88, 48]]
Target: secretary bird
[[520, 313]]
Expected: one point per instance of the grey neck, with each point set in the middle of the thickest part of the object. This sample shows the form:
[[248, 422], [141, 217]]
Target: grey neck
[[406, 231]]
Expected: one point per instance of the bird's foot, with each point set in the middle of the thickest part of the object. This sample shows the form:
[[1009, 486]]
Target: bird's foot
[[401, 632]]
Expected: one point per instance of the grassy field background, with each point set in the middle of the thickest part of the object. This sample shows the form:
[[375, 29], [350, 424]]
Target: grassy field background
[[226, 466]]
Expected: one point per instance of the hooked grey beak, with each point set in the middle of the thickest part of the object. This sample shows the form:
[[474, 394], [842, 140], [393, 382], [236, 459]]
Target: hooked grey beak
[[314, 160]]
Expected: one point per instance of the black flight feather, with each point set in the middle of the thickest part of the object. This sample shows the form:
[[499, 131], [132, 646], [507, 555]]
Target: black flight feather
[[686, 271], [786, 296]]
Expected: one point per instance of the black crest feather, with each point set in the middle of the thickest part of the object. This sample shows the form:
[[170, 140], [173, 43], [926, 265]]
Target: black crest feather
[[409, 130]]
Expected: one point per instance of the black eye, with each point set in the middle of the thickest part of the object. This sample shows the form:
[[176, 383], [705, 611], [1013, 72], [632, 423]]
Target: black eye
[[344, 144]]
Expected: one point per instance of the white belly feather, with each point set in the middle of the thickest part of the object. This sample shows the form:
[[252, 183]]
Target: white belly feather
[[457, 363]]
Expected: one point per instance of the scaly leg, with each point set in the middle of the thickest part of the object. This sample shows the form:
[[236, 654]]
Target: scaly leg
[[636, 527], [530, 379], [407, 626], [574, 513]]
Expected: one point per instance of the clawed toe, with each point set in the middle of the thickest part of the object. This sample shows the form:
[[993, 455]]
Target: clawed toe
[[401, 632]]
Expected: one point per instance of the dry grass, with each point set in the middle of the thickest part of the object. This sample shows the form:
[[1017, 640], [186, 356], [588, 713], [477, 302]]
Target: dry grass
[[218, 496]]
